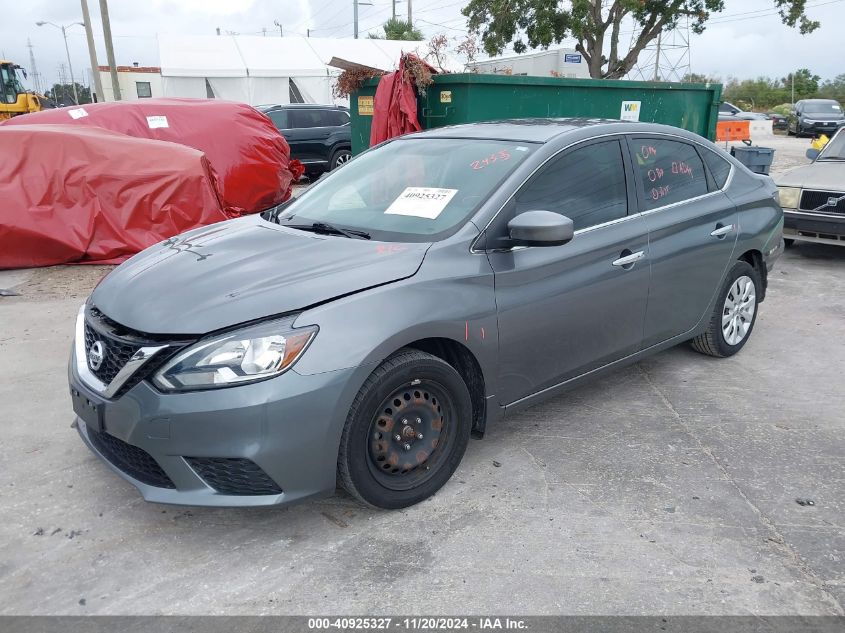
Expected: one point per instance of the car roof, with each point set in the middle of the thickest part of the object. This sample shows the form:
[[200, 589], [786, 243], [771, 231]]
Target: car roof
[[300, 106], [819, 101], [543, 130]]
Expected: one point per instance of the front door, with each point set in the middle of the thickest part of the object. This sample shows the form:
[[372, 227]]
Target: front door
[[565, 310], [693, 228]]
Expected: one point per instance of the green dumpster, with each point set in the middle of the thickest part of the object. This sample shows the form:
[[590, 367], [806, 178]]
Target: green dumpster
[[470, 97]]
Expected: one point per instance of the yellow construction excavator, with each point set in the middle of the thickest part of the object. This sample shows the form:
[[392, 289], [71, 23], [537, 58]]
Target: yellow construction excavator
[[14, 98]]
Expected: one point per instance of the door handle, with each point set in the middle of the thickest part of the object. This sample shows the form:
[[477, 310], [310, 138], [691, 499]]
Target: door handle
[[722, 231], [629, 260]]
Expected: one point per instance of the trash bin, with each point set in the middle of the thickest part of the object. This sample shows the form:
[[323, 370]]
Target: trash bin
[[469, 97], [757, 159]]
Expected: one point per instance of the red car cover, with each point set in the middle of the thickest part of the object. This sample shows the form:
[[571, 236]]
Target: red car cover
[[243, 146], [84, 194]]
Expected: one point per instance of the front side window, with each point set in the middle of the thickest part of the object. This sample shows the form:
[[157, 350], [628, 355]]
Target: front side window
[[8, 87], [586, 185], [667, 172], [409, 190], [143, 89]]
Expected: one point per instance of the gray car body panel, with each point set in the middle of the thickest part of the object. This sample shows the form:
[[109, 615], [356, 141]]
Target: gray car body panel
[[370, 299]]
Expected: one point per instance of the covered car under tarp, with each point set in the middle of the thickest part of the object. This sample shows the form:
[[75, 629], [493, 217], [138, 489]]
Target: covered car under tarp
[[250, 156], [85, 194]]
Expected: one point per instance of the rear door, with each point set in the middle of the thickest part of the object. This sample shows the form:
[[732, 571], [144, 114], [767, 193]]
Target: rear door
[[565, 310], [693, 228]]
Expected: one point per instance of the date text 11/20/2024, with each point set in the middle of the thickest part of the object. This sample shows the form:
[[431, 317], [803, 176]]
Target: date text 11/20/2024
[[417, 623]]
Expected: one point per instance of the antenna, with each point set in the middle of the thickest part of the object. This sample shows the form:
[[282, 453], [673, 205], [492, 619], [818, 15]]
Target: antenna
[[668, 57], [36, 76]]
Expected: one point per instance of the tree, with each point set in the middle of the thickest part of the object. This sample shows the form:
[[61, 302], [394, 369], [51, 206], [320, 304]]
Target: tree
[[63, 93], [806, 83], [833, 89], [398, 29], [540, 23]]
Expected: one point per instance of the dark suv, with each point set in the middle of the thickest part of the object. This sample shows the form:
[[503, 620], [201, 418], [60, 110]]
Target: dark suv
[[319, 135], [815, 116]]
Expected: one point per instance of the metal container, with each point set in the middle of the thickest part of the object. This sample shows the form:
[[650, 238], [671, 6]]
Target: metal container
[[469, 97]]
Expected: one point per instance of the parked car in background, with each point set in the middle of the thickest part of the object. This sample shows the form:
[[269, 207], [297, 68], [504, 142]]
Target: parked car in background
[[729, 109], [815, 116], [813, 196], [358, 333], [319, 135], [779, 121], [752, 116]]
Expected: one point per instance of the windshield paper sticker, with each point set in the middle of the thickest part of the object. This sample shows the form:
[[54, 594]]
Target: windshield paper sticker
[[421, 202], [157, 121], [77, 113]]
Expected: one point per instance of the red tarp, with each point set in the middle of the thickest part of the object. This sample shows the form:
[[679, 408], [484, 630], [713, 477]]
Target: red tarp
[[85, 194], [394, 107], [243, 146]]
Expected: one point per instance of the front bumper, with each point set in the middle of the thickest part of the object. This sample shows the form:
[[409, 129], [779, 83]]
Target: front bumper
[[820, 128], [289, 427], [814, 227]]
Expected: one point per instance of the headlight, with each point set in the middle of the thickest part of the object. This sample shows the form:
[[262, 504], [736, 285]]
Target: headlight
[[252, 353], [789, 196]]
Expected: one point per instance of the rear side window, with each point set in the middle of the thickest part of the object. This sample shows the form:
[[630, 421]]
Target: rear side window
[[587, 185], [335, 118], [719, 168], [305, 118], [667, 172]]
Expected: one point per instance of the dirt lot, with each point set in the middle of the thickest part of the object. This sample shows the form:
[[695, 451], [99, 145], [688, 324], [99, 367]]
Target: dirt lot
[[669, 487]]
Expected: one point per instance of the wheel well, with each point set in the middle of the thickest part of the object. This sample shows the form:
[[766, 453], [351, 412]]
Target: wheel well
[[465, 363], [755, 259]]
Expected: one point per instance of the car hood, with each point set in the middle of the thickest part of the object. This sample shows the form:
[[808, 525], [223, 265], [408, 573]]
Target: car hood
[[827, 176], [245, 269]]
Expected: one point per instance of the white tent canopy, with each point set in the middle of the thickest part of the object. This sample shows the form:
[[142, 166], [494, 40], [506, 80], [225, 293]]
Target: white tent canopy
[[258, 70]]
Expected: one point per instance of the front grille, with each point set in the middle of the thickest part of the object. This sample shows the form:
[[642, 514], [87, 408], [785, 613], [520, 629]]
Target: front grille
[[120, 344], [234, 476], [116, 354], [134, 461], [812, 200]]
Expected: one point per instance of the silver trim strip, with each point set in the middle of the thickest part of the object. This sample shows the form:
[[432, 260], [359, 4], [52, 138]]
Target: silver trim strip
[[811, 214], [87, 376], [621, 136]]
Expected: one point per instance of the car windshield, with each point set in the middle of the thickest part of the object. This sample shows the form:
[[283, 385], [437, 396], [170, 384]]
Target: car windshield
[[410, 190], [823, 108], [835, 149]]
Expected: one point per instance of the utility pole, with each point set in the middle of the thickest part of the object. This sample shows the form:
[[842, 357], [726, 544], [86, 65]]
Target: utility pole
[[393, 6], [792, 74], [279, 24], [657, 59], [355, 17], [410, 16], [104, 14], [92, 52]]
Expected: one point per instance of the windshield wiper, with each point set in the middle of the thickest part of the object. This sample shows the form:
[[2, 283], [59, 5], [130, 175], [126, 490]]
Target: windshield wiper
[[325, 227]]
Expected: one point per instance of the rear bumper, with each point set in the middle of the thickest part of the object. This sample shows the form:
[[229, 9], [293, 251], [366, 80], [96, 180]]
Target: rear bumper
[[285, 430], [813, 227]]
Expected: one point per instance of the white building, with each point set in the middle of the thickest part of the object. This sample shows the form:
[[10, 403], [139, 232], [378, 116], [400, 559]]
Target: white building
[[264, 70], [559, 62], [136, 82]]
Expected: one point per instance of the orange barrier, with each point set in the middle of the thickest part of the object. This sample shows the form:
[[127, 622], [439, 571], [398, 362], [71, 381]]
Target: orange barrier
[[733, 131]]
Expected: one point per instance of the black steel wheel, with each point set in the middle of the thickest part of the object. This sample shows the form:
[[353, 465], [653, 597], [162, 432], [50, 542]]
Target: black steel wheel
[[406, 431]]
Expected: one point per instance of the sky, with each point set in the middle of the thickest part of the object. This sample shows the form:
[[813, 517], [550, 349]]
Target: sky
[[746, 40]]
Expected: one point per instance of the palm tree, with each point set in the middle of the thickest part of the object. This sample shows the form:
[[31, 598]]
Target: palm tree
[[398, 29]]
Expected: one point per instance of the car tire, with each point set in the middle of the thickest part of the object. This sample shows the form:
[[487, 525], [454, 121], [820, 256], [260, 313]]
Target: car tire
[[424, 402], [788, 242], [339, 158], [789, 131], [731, 323]]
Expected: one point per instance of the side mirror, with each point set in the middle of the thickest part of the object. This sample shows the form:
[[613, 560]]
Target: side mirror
[[540, 228], [813, 154]]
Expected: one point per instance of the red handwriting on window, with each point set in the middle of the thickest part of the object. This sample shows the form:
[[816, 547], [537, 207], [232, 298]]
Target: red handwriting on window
[[655, 174], [486, 162], [680, 167], [659, 192], [647, 151]]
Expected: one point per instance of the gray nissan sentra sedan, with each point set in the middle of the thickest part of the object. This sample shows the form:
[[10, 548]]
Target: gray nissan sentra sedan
[[360, 333]]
